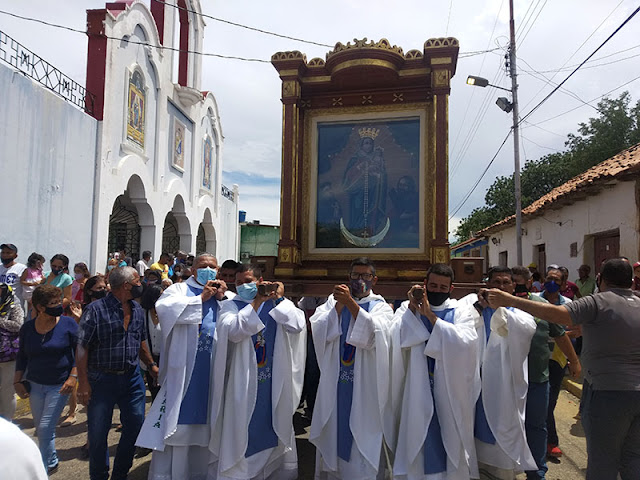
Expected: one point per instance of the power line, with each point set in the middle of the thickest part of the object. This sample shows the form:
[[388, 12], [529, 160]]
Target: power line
[[580, 106], [204, 54], [446, 31], [475, 185], [524, 36], [247, 27], [583, 62], [586, 67]]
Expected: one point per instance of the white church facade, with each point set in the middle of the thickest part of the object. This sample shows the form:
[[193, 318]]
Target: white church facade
[[141, 167]]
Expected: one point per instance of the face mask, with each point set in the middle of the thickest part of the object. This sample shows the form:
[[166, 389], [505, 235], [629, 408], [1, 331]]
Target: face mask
[[7, 261], [110, 267], [360, 287], [79, 276], [521, 290], [437, 298], [247, 291], [136, 291], [56, 271], [205, 275], [551, 287], [97, 295], [54, 311]]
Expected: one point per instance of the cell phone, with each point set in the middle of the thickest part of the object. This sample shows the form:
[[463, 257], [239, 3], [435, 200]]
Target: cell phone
[[265, 289], [418, 293], [215, 284]]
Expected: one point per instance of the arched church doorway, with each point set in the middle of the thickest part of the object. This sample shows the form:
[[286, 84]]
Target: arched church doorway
[[176, 233], [206, 239]]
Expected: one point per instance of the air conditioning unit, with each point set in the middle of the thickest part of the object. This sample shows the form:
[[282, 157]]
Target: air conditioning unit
[[245, 255]]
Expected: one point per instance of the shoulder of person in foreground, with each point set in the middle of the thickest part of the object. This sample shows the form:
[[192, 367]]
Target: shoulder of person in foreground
[[20, 457]]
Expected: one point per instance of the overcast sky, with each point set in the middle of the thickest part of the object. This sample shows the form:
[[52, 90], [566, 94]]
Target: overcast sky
[[552, 34]]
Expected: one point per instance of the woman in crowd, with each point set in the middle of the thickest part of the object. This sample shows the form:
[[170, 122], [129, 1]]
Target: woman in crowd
[[11, 319], [58, 278], [81, 274], [47, 355], [32, 277], [152, 328]]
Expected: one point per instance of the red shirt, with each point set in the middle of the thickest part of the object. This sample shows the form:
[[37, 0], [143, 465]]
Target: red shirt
[[570, 291]]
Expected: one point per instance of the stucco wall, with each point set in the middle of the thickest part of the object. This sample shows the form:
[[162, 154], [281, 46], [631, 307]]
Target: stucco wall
[[47, 159], [611, 209]]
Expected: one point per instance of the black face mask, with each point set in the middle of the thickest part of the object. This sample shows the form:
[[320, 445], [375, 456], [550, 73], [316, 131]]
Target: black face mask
[[437, 298], [54, 311], [7, 261], [97, 295], [521, 290], [136, 291]]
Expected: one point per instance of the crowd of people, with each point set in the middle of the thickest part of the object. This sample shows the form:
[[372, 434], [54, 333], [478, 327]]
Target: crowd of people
[[430, 388]]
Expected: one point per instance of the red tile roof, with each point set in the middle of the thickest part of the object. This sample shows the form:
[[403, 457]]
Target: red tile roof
[[624, 164]]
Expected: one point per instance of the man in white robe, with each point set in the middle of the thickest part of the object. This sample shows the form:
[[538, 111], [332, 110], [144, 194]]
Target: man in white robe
[[265, 371], [183, 423], [434, 388], [504, 338], [353, 406]]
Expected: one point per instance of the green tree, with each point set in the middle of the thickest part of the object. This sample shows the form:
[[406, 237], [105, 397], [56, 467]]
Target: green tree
[[616, 128]]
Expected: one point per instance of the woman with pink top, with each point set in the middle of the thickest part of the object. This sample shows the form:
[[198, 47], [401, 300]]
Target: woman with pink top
[[81, 274], [32, 277]]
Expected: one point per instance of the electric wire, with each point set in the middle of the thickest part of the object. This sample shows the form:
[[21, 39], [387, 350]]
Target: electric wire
[[446, 31], [524, 36], [583, 62]]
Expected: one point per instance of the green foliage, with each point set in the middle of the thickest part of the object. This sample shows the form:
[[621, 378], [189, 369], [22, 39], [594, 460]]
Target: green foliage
[[616, 128]]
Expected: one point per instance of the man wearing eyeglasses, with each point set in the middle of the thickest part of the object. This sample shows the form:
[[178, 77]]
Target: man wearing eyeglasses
[[350, 335]]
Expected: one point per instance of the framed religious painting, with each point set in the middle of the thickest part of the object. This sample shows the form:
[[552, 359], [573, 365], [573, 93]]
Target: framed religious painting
[[207, 163], [136, 108], [178, 145], [367, 183]]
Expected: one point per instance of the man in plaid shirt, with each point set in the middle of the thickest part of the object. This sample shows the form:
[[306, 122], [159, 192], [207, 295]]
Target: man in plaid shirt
[[110, 343]]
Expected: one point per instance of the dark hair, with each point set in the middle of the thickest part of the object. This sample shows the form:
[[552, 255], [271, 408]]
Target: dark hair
[[536, 276], [154, 273], [365, 262], [150, 296], [63, 258], [495, 270], [230, 264], [247, 267], [88, 285], [617, 273], [44, 294], [33, 258], [521, 271], [82, 266], [441, 269], [146, 253], [186, 273], [166, 255], [122, 248]]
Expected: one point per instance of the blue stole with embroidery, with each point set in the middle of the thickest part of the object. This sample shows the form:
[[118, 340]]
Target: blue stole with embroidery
[[194, 409], [262, 436], [345, 383], [482, 431], [435, 456]]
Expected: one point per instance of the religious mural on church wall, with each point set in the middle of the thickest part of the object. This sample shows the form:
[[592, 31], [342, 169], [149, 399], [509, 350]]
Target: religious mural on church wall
[[368, 183], [136, 109], [178, 144], [207, 163]]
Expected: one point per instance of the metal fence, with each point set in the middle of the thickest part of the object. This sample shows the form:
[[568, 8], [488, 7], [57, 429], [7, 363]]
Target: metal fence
[[20, 57]]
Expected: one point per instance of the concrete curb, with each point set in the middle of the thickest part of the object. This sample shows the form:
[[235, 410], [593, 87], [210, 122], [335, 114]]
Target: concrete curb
[[572, 386], [22, 407]]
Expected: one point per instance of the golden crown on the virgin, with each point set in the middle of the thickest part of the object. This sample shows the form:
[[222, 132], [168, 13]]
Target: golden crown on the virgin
[[369, 132]]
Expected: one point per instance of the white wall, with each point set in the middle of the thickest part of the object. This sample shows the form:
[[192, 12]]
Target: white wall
[[613, 208], [47, 160]]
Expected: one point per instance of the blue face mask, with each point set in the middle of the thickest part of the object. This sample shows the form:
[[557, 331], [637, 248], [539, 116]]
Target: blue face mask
[[551, 287], [247, 291], [205, 275]]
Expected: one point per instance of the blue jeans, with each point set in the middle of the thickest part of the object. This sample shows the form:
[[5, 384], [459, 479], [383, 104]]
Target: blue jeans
[[46, 407], [611, 421], [107, 390], [535, 424]]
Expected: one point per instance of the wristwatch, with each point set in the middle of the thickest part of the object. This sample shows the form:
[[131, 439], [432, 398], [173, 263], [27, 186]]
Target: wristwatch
[[152, 364]]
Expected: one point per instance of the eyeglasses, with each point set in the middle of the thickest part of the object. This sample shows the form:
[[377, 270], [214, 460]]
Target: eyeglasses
[[363, 276]]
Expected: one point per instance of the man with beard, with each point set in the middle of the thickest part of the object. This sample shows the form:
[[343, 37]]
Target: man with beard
[[440, 381], [350, 333]]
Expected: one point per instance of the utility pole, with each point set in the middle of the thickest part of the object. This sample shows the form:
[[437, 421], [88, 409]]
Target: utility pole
[[516, 134]]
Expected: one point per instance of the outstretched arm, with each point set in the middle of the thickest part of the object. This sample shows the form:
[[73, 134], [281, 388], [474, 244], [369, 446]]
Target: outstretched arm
[[546, 311]]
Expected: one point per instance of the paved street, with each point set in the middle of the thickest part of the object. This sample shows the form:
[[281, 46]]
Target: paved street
[[69, 440]]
